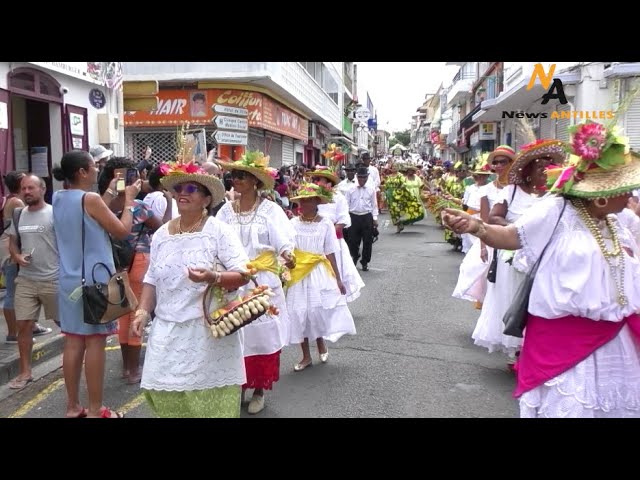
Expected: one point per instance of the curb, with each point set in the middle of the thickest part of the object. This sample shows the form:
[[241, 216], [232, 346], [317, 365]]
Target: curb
[[42, 351]]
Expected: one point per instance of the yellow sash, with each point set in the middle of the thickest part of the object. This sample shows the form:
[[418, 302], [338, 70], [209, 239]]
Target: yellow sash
[[266, 261], [305, 262]]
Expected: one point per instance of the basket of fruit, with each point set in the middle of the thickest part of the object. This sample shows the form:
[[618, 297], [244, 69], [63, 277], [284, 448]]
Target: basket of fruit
[[228, 319]]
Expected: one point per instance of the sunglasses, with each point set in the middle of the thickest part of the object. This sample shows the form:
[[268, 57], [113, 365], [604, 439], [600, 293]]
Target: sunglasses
[[238, 174], [500, 162], [187, 189]]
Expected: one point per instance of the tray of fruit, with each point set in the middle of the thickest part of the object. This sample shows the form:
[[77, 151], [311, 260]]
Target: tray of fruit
[[238, 313]]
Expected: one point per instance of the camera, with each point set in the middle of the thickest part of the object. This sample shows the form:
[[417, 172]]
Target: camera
[[64, 90]]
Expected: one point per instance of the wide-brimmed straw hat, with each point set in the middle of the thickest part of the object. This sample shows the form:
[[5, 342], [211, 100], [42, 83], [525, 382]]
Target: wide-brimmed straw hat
[[553, 149], [323, 171], [255, 163], [603, 167], [502, 151], [311, 190], [179, 172]]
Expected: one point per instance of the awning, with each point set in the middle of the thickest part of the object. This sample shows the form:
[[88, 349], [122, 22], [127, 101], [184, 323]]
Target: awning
[[517, 98], [622, 70]]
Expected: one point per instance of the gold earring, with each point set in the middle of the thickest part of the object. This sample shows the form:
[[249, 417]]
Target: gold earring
[[601, 202]]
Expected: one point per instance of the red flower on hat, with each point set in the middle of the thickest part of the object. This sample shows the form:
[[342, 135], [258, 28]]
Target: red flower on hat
[[589, 140]]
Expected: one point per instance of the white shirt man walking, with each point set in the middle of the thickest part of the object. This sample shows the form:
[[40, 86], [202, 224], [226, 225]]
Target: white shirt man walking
[[33, 247]]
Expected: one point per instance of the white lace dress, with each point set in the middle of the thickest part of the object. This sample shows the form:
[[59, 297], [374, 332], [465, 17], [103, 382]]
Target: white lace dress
[[316, 306], [338, 212], [472, 279], [574, 279], [267, 231], [499, 295], [181, 354]]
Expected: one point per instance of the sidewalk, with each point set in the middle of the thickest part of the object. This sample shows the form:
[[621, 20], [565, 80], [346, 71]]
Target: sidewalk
[[44, 348]]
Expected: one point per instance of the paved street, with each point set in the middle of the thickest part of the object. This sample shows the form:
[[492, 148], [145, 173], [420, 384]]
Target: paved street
[[412, 357]]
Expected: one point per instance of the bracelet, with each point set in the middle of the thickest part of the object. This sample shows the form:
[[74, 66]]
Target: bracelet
[[111, 192], [142, 313], [218, 277]]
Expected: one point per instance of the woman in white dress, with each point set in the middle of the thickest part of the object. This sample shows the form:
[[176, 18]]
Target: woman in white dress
[[526, 185], [580, 356], [187, 373], [266, 235], [316, 295], [338, 212], [472, 281]]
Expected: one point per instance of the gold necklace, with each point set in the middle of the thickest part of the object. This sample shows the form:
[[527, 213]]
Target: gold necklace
[[253, 210], [614, 258], [302, 219], [192, 229]]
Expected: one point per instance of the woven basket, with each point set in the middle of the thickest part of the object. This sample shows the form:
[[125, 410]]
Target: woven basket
[[230, 318]]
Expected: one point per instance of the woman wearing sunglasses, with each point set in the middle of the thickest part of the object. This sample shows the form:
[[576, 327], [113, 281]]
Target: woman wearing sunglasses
[[527, 179], [187, 373], [267, 237]]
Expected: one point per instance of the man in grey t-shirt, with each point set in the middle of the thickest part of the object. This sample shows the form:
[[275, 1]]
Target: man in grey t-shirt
[[33, 247]]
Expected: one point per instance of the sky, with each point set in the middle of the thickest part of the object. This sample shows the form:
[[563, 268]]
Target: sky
[[397, 89]]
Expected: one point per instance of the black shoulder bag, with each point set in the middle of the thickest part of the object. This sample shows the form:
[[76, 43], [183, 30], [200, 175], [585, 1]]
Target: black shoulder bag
[[105, 302], [493, 268], [515, 319]]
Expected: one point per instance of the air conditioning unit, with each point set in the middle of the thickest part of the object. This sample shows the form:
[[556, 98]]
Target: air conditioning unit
[[108, 128]]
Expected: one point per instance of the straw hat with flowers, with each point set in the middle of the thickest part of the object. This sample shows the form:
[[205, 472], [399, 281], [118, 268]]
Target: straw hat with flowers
[[255, 163], [481, 166], [311, 190], [322, 171], [184, 169], [603, 167], [539, 149]]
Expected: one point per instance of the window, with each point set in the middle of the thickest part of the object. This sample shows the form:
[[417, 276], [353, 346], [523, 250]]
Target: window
[[329, 84], [24, 81]]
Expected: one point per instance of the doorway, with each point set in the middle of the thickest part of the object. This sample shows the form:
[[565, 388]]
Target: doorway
[[31, 127]]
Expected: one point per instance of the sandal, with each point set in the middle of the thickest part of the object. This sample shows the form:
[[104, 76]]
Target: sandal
[[82, 414], [19, 383], [108, 413]]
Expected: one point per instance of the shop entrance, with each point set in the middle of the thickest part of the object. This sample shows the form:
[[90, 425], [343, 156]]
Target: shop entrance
[[32, 138]]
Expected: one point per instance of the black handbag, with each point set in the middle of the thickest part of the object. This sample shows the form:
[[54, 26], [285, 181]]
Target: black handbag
[[493, 267], [515, 318], [105, 302]]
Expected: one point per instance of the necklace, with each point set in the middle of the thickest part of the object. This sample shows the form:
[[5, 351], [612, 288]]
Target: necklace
[[254, 210], [615, 257], [308, 220], [192, 229]]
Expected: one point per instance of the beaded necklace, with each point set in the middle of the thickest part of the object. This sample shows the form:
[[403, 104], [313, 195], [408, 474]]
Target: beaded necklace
[[615, 257]]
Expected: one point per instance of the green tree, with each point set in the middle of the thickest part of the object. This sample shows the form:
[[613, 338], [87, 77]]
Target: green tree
[[403, 137]]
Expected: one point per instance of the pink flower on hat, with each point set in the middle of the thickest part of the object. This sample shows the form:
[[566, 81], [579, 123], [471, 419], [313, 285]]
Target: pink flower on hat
[[589, 140]]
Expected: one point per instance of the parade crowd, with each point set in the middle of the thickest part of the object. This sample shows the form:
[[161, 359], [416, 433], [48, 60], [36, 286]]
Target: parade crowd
[[549, 236]]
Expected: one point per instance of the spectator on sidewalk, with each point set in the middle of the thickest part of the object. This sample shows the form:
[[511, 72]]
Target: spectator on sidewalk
[[33, 247], [10, 268]]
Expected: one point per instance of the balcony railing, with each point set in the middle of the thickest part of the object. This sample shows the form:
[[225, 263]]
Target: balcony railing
[[463, 75]]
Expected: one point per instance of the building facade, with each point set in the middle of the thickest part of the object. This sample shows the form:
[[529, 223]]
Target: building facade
[[49, 108], [288, 110]]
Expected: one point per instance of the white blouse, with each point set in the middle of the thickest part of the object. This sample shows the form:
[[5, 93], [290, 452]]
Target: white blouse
[[573, 277], [180, 299], [265, 229], [491, 192], [336, 211]]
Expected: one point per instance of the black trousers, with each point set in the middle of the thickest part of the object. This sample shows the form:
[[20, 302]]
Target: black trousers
[[361, 230]]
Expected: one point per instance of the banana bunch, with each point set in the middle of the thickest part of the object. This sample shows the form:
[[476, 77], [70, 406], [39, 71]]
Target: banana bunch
[[236, 315]]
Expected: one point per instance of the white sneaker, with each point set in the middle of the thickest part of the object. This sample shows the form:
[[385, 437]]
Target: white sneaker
[[256, 404]]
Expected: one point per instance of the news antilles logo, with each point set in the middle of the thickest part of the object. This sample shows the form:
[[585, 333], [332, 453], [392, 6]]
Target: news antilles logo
[[555, 91]]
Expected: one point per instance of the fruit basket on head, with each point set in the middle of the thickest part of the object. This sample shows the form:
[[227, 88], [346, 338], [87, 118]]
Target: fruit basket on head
[[224, 317]]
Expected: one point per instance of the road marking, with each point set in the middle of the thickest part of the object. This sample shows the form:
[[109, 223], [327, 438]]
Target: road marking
[[27, 407], [136, 402], [117, 347]]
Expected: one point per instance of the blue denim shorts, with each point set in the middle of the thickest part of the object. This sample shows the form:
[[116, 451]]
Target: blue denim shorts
[[10, 272]]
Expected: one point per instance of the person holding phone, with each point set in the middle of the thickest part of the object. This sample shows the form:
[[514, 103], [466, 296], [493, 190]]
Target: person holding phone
[[118, 173], [73, 208]]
